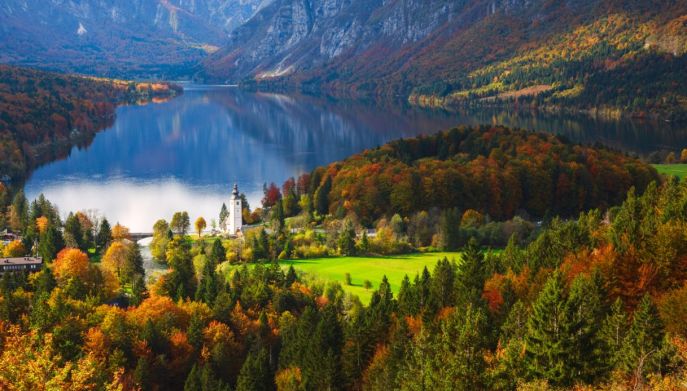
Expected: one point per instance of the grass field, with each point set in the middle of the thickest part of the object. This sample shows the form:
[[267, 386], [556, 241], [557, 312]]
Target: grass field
[[368, 268], [678, 170]]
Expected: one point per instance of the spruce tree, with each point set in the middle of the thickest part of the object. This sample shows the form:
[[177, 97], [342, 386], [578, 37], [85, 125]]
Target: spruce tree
[[644, 339], [549, 352], [255, 373], [193, 380], [470, 276], [612, 335]]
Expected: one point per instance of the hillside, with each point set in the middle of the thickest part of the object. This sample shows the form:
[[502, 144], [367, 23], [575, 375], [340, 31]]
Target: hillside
[[596, 55], [43, 114], [140, 38], [494, 170]]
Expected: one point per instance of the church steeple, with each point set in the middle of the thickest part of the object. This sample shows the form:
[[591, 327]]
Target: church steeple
[[235, 211]]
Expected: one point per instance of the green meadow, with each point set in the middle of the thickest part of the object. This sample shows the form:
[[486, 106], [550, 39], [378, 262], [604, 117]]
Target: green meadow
[[368, 268], [678, 170]]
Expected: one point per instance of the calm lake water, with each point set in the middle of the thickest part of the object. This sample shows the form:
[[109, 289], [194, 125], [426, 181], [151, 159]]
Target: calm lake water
[[186, 153]]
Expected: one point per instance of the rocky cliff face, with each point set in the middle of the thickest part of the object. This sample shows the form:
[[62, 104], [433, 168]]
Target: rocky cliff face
[[118, 37], [291, 36]]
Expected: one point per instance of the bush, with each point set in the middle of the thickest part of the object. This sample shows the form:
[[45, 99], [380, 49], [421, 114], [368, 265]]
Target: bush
[[348, 279]]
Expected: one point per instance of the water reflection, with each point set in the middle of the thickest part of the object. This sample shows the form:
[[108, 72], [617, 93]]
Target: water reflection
[[185, 153]]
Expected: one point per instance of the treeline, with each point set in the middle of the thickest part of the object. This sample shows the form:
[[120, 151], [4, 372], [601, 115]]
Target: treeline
[[43, 114], [616, 64], [496, 171], [593, 303]]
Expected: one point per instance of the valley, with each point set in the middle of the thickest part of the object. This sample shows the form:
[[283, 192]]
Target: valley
[[358, 195]]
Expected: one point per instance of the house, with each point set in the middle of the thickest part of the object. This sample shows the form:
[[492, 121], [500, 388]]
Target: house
[[7, 236], [30, 264]]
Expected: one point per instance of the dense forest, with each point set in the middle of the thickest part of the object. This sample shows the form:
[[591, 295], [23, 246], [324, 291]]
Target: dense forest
[[596, 302], [43, 114], [617, 64], [497, 171]]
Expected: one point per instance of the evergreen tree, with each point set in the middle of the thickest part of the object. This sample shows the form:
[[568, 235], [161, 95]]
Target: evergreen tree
[[612, 335], [549, 353], [450, 229], [208, 285], [644, 339], [322, 197], [193, 380], [585, 312], [346, 241], [470, 276], [218, 254], [441, 289], [290, 277], [104, 235], [50, 243], [255, 373], [364, 243], [195, 331], [142, 373]]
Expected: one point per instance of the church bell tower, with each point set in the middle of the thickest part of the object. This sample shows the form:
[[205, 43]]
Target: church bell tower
[[235, 212]]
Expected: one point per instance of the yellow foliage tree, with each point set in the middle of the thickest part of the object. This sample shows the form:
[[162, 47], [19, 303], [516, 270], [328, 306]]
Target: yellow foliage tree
[[200, 225], [14, 249], [71, 263], [42, 224], [120, 232], [115, 258]]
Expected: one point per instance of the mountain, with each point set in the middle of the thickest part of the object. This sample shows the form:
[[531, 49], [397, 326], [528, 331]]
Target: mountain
[[445, 52], [120, 38]]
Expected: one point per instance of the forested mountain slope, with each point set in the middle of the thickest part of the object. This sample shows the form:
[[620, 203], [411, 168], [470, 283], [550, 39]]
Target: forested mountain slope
[[494, 170], [43, 114], [132, 38], [612, 55]]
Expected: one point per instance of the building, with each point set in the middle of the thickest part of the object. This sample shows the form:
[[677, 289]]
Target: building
[[30, 264], [7, 237], [235, 212]]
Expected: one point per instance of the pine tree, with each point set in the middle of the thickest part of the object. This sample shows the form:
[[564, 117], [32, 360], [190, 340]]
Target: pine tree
[[193, 380], [549, 352], [142, 373], [449, 228], [585, 312], [195, 331], [218, 254], [104, 235], [290, 277], [346, 241], [255, 373], [644, 339], [470, 276], [442, 286], [612, 334], [223, 216]]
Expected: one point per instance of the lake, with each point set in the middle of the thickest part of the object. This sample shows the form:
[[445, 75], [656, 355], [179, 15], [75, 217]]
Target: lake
[[186, 153]]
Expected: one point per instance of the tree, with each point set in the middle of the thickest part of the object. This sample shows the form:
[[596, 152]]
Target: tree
[[104, 235], [470, 275], [122, 261], [643, 341], [223, 216], [364, 243], [158, 246], [217, 254], [120, 232], [449, 229], [71, 263], [272, 195], [200, 226], [612, 335], [255, 373], [347, 239], [549, 354], [14, 248], [322, 197], [180, 223]]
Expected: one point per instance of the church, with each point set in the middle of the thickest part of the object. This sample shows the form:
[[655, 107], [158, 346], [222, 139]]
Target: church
[[235, 212]]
